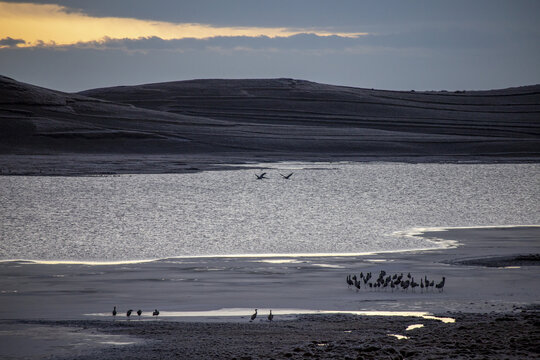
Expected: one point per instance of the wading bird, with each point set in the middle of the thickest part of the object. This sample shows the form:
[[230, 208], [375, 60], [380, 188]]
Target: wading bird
[[349, 281], [139, 312], [114, 312], [270, 316], [155, 313], [440, 285], [128, 314], [253, 316]]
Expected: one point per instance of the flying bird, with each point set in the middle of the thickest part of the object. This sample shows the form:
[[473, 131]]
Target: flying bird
[[286, 177], [262, 176]]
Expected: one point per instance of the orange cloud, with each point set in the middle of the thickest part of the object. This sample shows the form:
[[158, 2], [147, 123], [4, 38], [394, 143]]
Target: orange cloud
[[54, 24]]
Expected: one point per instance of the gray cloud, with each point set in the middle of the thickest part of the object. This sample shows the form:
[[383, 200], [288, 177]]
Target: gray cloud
[[11, 42], [319, 13], [297, 42], [434, 39]]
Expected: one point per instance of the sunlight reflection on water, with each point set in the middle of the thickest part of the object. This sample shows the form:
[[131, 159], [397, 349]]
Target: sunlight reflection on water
[[328, 208], [245, 312]]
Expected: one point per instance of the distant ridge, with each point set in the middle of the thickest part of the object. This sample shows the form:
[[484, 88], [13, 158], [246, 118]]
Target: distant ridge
[[287, 119], [505, 112]]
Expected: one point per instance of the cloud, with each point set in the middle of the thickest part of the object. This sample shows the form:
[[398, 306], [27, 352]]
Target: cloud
[[304, 41], [9, 42], [55, 24]]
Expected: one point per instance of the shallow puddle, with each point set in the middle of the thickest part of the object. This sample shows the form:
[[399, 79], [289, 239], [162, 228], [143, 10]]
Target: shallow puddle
[[289, 313]]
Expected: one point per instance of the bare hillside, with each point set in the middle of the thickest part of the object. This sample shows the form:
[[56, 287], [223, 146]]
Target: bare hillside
[[267, 119]]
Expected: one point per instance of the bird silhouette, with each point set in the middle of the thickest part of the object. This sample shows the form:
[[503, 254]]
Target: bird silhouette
[[440, 285], [253, 316], [262, 176], [357, 285], [139, 312], [414, 284], [349, 281], [155, 313], [270, 316], [128, 314], [114, 312], [286, 177]]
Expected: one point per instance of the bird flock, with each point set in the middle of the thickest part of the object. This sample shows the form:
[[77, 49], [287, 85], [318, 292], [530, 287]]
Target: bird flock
[[270, 316], [394, 282], [130, 311], [156, 313], [262, 176]]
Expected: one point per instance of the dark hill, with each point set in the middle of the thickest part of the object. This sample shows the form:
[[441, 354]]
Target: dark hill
[[35, 120], [511, 112], [267, 119]]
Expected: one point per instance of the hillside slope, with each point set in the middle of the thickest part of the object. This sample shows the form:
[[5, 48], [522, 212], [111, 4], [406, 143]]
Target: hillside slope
[[268, 119], [35, 120], [511, 112]]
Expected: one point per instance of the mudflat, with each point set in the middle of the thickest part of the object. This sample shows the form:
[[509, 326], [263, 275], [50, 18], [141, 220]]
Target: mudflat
[[205, 303]]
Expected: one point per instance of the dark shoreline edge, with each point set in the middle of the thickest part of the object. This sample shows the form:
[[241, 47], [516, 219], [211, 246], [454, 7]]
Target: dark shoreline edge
[[82, 165]]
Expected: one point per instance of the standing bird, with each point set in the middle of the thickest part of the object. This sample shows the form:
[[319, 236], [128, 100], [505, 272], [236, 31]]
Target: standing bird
[[357, 285], [440, 285], [139, 312], [414, 284], [155, 313], [262, 176], [253, 316], [286, 177], [270, 316], [349, 281], [128, 314], [114, 312]]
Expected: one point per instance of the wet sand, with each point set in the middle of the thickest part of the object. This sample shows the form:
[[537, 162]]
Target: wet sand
[[473, 336], [83, 296]]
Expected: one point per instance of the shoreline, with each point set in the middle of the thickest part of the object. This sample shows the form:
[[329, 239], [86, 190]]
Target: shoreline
[[444, 244], [82, 165]]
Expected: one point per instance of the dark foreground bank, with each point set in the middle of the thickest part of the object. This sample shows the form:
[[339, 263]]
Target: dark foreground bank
[[473, 336]]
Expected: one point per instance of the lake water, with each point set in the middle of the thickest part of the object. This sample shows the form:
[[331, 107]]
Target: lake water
[[323, 208]]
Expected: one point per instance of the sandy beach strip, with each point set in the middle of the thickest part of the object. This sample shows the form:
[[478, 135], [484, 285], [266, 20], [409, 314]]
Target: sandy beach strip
[[480, 298]]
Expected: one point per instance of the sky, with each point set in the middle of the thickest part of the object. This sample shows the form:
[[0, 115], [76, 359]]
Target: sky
[[74, 45]]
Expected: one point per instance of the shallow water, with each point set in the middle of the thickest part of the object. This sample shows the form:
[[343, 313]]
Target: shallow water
[[324, 208], [283, 314]]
